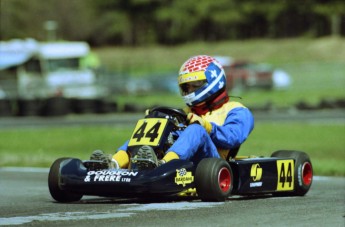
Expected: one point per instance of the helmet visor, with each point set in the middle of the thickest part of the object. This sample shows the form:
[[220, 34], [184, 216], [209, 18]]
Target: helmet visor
[[190, 87]]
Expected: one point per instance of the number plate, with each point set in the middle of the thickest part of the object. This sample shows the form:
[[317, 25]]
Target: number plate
[[285, 170], [148, 132]]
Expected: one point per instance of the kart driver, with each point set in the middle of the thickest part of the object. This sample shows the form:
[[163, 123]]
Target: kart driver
[[216, 126]]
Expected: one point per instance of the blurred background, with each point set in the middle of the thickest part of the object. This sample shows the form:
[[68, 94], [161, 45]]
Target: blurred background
[[91, 63], [82, 56]]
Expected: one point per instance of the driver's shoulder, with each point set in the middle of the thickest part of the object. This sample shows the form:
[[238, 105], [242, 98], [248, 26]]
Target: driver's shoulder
[[232, 105]]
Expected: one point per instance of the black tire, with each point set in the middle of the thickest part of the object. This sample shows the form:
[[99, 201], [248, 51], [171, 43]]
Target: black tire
[[213, 180], [29, 107], [5, 107], [103, 106], [303, 172], [134, 108], [57, 106], [54, 185], [83, 106]]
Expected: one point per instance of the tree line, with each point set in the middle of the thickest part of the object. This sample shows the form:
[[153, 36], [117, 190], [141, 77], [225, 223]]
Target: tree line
[[169, 22]]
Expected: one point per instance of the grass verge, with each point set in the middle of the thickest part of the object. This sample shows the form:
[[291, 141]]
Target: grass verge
[[316, 67], [41, 146]]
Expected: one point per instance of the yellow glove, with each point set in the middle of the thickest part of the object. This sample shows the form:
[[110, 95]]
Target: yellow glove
[[193, 118]]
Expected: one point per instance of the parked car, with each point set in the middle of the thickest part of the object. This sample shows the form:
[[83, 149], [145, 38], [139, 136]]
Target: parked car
[[244, 75]]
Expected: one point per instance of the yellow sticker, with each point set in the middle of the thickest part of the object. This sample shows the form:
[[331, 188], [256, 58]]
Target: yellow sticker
[[183, 177], [285, 170], [148, 132], [256, 172], [190, 77]]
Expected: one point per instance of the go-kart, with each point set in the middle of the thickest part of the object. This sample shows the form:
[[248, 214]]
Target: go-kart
[[285, 173]]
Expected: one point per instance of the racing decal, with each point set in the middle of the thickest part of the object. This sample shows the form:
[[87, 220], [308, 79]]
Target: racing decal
[[256, 175], [148, 132], [183, 177], [109, 176], [285, 170]]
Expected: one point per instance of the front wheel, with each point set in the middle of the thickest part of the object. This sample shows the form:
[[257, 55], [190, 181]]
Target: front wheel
[[213, 180], [303, 171], [54, 182]]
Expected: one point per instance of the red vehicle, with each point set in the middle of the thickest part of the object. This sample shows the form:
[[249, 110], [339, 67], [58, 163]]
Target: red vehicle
[[244, 74]]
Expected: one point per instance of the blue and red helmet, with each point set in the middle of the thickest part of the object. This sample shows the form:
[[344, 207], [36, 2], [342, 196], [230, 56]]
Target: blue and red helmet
[[207, 74]]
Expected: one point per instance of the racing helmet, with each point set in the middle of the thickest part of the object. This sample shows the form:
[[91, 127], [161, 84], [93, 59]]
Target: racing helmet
[[201, 78]]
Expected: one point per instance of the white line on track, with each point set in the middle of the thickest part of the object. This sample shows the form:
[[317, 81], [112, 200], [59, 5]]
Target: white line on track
[[127, 211], [24, 169], [66, 216]]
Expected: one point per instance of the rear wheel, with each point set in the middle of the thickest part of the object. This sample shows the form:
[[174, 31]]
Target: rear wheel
[[213, 179], [303, 171], [54, 182]]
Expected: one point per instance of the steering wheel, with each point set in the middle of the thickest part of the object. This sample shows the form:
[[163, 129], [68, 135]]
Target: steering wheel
[[174, 112]]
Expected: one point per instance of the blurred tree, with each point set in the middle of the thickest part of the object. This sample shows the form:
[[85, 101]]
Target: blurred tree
[[15, 24], [22, 19], [75, 18], [206, 20], [129, 22], [142, 22], [334, 11]]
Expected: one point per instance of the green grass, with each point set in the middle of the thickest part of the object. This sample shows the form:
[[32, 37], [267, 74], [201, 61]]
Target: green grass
[[316, 66], [312, 82], [40, 147], [141, 60], [324, 143]]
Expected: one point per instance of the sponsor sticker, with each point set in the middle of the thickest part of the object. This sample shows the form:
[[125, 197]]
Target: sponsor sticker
[[256, 175], [183, 177], [109, 176]]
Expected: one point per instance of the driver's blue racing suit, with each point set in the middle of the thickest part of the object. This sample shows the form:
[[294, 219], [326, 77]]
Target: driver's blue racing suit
[[231, 125]]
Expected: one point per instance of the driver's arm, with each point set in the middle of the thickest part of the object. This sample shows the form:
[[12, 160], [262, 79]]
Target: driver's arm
[[235, 130]]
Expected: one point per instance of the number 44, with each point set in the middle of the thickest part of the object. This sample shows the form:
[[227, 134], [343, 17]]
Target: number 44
[[151, 133], [285, 175]]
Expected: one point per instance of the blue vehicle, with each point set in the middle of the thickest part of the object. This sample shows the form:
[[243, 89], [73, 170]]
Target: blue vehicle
[[285, 173]]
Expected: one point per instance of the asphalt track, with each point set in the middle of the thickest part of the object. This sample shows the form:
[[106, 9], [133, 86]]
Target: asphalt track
[[25, 200]]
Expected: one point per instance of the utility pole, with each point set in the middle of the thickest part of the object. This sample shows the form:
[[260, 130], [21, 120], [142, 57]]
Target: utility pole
[[50, 26]]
